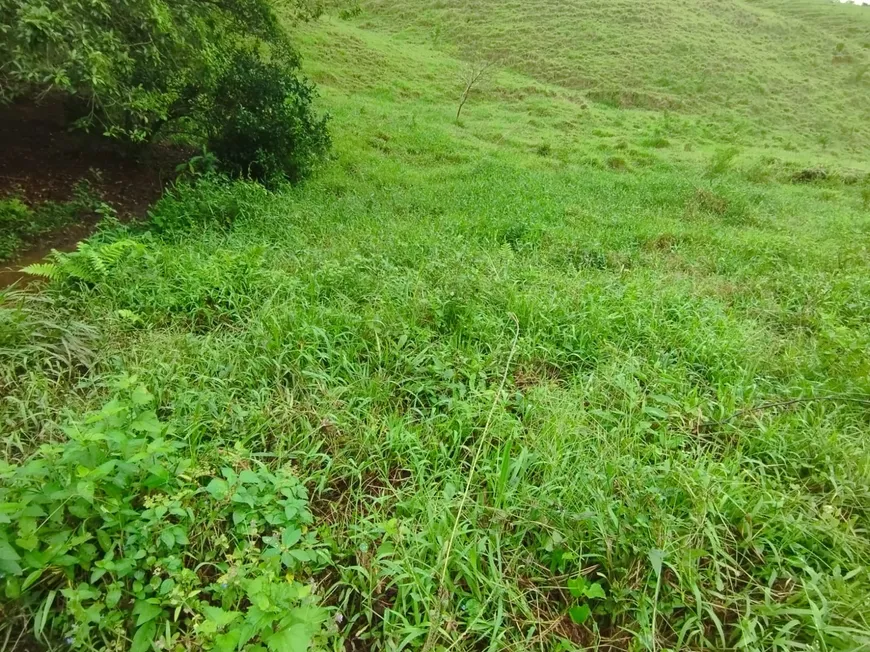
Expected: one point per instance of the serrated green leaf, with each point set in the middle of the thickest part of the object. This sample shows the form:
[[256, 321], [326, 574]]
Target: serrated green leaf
[[85, 489], [146, 422], [227, 642], [220, 617], [141, 396], [295, 638]]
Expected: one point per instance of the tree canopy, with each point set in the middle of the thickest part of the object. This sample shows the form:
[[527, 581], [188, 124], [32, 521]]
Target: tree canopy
[[136, 69]]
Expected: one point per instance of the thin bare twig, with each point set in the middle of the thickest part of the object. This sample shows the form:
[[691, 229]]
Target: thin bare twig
[[475, 72]]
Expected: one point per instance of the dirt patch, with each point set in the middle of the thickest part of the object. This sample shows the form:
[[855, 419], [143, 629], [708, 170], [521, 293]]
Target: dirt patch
[[536, 372], [43, 160]]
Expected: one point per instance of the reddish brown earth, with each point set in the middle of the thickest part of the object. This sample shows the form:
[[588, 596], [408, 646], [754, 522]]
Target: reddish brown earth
[[41, 159]]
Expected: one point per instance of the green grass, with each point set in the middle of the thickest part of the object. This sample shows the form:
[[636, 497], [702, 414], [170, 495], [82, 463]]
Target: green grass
[[790, 72], [558, 339]]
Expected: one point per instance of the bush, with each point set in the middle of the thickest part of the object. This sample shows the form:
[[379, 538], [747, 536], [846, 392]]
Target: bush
[[139, 69], [114, 538], [260, 122], [809, 175]]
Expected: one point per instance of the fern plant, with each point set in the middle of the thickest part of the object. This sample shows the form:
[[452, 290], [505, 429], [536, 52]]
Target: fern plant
[[89, 263]]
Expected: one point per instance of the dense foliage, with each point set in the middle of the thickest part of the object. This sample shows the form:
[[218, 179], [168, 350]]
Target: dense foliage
[[260, 121], [139, 69], [570, 375], [117, 537]]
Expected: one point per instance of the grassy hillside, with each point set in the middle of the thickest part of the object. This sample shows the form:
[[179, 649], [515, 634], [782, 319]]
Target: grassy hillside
[[573, 372], [794, 73]]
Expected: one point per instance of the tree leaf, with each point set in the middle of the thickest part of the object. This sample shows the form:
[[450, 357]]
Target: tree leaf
[[579, 613]]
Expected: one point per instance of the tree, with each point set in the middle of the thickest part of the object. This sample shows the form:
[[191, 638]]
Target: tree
[[136, 69], [473, 73]]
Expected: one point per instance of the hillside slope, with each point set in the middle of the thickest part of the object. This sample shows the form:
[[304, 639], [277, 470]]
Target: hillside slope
[[569, 372], [792, 72]]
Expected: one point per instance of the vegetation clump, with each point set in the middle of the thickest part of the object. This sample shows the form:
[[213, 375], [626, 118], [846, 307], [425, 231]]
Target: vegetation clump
[[116, 538], [140, 70]]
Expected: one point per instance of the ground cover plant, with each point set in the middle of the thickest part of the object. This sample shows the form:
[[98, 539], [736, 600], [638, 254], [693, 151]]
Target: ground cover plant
[[561, 374]]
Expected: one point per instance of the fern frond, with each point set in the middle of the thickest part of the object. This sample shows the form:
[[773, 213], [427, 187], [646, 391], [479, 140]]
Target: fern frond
[[80, 266], [89, 263], [112, 253], [46, 270]]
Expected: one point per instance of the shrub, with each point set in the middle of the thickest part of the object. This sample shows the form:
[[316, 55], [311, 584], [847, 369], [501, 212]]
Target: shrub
[[809, 175], [617, 163], [114, 538], [136, 69], [260, 122]]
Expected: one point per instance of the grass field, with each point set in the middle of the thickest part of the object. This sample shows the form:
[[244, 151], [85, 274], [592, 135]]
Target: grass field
[[585, 369]]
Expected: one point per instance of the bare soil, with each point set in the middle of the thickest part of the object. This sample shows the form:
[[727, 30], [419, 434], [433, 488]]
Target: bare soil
[[42, 159]]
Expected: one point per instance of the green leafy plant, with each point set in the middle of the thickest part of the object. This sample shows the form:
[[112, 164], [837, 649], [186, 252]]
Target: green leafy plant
[[260, 123], [21, 223], [89, 263], [114, 538], [208, 199], [202, 164], [583, 590], [722, 161]]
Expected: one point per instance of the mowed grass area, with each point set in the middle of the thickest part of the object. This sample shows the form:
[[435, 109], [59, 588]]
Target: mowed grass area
[[559, 339]]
